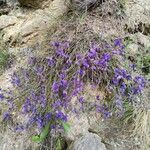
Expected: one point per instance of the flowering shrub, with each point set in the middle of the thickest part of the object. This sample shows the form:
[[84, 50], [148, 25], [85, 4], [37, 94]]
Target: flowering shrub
[[46, 88]]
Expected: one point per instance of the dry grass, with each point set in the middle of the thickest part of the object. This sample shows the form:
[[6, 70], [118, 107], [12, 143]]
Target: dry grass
[[142, 128]]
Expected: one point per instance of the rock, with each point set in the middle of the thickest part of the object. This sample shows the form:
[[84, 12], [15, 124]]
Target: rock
[[145, 40], [32, 3], [6, 21], [133, 48], [89, 141], [31, 25], [78, 126]]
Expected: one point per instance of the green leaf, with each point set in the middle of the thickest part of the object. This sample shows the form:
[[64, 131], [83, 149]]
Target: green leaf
[[58, 145], [36, 138], [66, 126], [45, 132], [43, 135]]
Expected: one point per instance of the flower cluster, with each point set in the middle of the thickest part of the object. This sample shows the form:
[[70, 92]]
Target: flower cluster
[[54, 80]]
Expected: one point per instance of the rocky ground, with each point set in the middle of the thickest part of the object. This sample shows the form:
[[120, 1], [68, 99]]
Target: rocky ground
[[27, 27]]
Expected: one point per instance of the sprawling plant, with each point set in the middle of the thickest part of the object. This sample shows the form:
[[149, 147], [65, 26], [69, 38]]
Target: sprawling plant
[[45, 89]]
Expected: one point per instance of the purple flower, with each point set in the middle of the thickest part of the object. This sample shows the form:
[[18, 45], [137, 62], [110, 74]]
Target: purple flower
[[105, 112], [39, 70], [40, 122], [1, 96], [15, 80], [139, 80], [81, 99], [6, 116], [60, 115], [119, 103], [120, 74], [50, 61], [106, 56], [133, 66], [64, 83], [92, 53], [27, 106], [55, 87], [85, 63], [19, 128], [98, 97], [137, 89], [102, 64], [122, 88], [48, 116], [32, 60], [118, 42], [43, 100], [31, 120], [62, 75], [81, 72], [64, 94], [57, 103], [56, 44]]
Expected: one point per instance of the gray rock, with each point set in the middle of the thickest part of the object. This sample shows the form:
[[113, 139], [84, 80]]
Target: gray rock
[[6, 21], [89, 141]]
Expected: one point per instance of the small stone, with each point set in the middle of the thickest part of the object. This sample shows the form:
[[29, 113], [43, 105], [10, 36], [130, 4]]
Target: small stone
[[89, 141]]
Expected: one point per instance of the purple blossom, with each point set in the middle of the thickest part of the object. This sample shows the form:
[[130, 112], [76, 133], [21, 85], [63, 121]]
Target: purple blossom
[[106, 56], [63, 83], [81, 72], [48, 116], [56, 44], [118, 42], [64, 94], [85, 63], [119, 103], [19, 128], [122, 88], [62, 75], [39, 70], [57, 103], [120, 74], [40, 122], [98, 97], [55, 87], [81, 99], [43, 100], [140, 80], [32, 60], [27, 106], [60, 52], [15, 80], [51, 62], [92, 53], [6, 116], [139, 84], [1, 96], [60, 115]]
